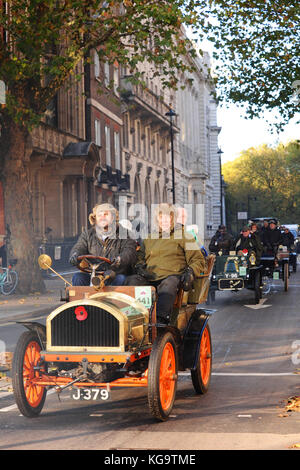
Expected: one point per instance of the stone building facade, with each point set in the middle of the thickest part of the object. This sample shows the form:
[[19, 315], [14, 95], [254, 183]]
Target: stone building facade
[[104, 137]]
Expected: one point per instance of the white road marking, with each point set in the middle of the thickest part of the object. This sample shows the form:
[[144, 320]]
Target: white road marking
[[249, 374], [224, 374], [259, 305]]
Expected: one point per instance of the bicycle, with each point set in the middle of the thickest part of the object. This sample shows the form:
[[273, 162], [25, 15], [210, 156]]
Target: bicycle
[[8, 279]]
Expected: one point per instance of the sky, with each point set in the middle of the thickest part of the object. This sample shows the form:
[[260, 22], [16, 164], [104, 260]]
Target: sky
[[239, 134]]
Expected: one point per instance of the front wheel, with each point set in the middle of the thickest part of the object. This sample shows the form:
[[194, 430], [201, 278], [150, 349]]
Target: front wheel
[[162, 376], [30, 398], [202, 373]]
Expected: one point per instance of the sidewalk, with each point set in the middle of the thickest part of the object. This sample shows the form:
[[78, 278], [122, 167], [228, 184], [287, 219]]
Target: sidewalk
[[17, 307]]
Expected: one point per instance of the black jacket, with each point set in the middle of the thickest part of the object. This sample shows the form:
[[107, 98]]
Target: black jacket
[[250, 243], [272, 238], [88, 243], [221, 242], [287, 239]]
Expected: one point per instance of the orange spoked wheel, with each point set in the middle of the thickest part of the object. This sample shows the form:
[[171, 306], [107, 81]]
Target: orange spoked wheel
[[202, 373], [162, 376], [29, 397]]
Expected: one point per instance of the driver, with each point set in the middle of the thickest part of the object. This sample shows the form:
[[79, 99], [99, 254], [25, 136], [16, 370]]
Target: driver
[[102, 239]]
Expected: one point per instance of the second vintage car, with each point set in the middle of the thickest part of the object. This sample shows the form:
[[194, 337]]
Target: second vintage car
[[234, 272]]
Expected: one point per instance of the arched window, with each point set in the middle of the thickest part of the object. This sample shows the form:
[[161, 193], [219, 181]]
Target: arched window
[[157, 193], [137, 190], [148, 198]]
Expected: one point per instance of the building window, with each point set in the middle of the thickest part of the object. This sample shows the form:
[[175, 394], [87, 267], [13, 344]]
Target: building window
[[125, 131], [148, 143], [106, 74], [116, 80], [138, 137], [117, 151], [98, 132], [107, 146], [96, 65]]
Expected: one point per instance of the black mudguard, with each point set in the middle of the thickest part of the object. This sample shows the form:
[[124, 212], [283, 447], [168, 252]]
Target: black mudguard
[[38, 328], [192, 337]]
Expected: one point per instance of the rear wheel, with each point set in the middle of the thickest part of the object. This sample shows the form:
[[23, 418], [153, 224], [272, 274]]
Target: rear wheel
[[10, 283], [202, 373], [286, 276], [162, 376], [257, 288], [29, 397]]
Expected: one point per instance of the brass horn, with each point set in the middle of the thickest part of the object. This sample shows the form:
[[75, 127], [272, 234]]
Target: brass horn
[[45, 262]]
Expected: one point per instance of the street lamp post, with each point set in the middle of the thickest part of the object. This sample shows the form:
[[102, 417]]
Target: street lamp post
[[171, 114], [221, 186]]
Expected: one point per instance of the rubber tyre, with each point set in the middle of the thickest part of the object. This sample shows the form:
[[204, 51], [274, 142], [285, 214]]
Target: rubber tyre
[[286, 276], [211, 297], [30, 399], [257, 288], [202, 374], [162, 376], [10, 284]]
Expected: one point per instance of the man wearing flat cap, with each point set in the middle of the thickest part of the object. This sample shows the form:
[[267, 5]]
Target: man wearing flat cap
[[103, 239], [248, 241]]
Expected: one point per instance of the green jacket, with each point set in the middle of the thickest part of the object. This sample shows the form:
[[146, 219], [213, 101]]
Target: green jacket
[[168, 256]]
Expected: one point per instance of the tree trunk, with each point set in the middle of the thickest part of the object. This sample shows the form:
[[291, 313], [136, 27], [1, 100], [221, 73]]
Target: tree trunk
[[18, 208]]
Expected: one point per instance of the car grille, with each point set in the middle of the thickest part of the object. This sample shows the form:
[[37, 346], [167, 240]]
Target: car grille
[[100, 328]]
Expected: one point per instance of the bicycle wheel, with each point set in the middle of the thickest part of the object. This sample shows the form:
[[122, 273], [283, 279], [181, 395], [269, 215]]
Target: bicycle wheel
[[10, 283]]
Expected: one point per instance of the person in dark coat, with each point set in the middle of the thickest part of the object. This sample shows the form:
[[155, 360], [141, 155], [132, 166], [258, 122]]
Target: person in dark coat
[[287, 238], [248, 241], [272, 238], [103, 239], [221, 241]]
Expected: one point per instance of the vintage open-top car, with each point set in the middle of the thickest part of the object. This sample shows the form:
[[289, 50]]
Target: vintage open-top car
[[103, 337], [234, 272], [275, 265]]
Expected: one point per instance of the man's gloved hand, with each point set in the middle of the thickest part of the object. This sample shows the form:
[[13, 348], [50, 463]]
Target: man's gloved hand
[[187, 279], [74, 258], [109, 274], [141, 270], [115, 263]]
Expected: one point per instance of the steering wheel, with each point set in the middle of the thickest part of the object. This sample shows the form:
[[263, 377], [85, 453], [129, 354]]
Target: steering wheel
[[94, 264]]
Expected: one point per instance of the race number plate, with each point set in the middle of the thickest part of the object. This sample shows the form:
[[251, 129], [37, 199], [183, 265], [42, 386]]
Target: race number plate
[[229, 284], [91, 394]]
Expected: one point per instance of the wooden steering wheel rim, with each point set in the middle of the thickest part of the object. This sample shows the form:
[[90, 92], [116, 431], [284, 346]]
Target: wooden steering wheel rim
[[85, 270]]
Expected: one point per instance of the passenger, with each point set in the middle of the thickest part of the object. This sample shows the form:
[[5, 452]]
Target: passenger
[[246, 241], [181, 219], [166, 258], [221, 241], [287, 238], [254, 231], [102, 239], [272, 238], [265, 226]]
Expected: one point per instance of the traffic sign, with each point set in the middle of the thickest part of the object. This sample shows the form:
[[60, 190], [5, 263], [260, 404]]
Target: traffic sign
[[2, 92]]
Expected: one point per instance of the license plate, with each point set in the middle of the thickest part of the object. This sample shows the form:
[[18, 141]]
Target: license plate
[[229, 284], [91, 394]]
